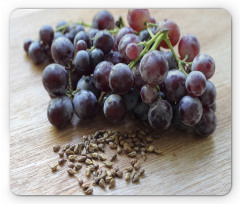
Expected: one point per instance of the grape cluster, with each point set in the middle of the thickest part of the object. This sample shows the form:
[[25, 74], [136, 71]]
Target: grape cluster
[[120, 69]]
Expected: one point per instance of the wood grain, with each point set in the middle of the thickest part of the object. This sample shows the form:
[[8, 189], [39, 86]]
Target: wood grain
[[189, 165]]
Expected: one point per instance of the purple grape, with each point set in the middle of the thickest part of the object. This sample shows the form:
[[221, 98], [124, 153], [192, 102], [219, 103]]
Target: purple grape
[[92, 32], [132, 51], [137, 18], [205, 64], [75, 77], [209, 96], [46, 34], [57, 35], [190, 110], [141, 111], [103, 40], [114, 108], [172, 63], [101, 75], [154, 67], [138, 81], [196, 83], [55, 79], [123, 31], [80, 45], [160, 115], [62, 51], [82, 35], [115, 58], [85, 104], [82, 61], [121, 79], [36, 52], [213, 106], [63, 23], [175, 85], [60, 111], [103, 20], [176, 118], [131, 99], [26, 44], [207, 124], [149, 94], [96, 56]]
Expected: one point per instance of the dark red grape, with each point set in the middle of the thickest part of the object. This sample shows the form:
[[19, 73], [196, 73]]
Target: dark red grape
[[46, 34], [209, 96], [60, 111], [103, 40], [137, 18], [132, 51], [87, 83], [36, 52], [154, 67], [115, 58], [101, 75], [141, 111], [205, 64], [121, 79], [82, 35], [63, 23], [190, 45], [85, 104], [80, 45], [190, 110], [103, 20], [176, 121], [123, 31], [173, 33], [172, 63], [149, 94], [55, 79], [207, 124], [213, 106], [62, 51], [96, 56], [131, 99], [82, 61], [196, 83], [175, 85], [127, 39], [114, 108], [26, 44], [160, 115], [138, 81]]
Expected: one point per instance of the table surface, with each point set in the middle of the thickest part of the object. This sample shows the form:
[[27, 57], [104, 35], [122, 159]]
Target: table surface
[[188, 166]]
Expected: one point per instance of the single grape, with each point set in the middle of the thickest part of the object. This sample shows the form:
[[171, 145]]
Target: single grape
[[96, 56], [137, 18], [82, 61], [114, 108], [190, 110], [138, 81], [131, 99], [75, 77], [101, 75], [36, 52], [85, 104], [121, 79], [27, 44], [80, 45], [176, 121], [149, 94], [115, 58], [209, 96], [213, 106], [60, 111], [62, 51], [92, 32], [207, 124], [175, 85], [103, 20], [87, 83], [57, 35], [132, 51], [154, 67], [104, 41], [55, 79], [173, 33], [82, 35], [141, 111], [205, 64], [69, 36], [196, 83], [188, 45], [46, 34], [127, 39], [65, 29], [123, 31], [152, 19], [160, 115], [172, 63]]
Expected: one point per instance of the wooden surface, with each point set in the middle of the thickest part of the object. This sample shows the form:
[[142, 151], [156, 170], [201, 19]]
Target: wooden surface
[[189, 166]]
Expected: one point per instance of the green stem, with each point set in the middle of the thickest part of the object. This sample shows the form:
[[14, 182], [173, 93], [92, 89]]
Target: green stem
[[70, 80], [113, 31], [152, 24], [121, 22], [150, 32], [159, 40]]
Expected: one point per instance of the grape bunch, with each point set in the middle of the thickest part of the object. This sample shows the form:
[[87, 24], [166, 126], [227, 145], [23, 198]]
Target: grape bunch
[[123, 69]]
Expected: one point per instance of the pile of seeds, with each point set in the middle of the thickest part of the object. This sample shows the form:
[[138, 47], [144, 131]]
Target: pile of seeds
[[99, 168]]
